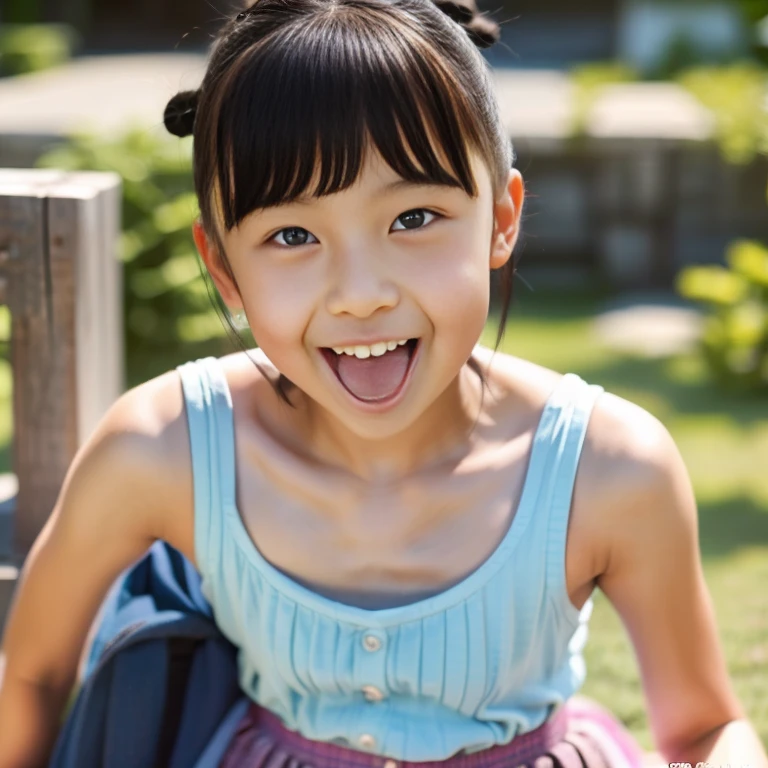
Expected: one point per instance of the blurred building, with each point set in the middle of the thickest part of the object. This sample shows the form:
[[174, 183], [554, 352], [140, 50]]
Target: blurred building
[[556, 34], [644, 33]]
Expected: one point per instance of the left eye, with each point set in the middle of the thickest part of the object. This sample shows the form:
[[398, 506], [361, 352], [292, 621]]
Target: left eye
[[414, 219], [293, 236]]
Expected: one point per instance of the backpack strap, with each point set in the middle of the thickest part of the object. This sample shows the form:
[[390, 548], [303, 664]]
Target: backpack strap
[[219, 743], [181, 651]]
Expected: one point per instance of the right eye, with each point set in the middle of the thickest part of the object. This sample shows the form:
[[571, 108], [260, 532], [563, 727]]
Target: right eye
[[292, 237]]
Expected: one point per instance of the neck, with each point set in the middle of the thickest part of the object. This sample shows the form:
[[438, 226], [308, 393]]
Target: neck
[[442, 433]]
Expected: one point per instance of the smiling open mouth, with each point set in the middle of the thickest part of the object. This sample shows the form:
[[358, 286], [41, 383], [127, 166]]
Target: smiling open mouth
[[373, 379]]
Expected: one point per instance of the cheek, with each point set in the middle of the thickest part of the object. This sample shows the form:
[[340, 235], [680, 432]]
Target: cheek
[[278, 311], [455, 291], [463, 312]]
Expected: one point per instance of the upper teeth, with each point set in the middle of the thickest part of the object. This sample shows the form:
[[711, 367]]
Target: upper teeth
[[377, 350]]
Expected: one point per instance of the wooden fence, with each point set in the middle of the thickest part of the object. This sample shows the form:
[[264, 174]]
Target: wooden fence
[[61, 279]]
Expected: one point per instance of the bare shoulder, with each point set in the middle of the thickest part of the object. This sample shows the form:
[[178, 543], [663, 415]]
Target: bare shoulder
[[630, 444], [144, 437], [633, 480], [628, 456]]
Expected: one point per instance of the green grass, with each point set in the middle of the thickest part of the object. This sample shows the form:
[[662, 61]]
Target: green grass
[[724, 441]]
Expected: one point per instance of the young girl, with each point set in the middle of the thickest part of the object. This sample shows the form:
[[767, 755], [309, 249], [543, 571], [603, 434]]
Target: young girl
[[387, 516]]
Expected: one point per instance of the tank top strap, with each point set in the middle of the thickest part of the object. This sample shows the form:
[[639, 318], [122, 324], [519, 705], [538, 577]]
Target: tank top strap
[[562, 442], [211, 435]]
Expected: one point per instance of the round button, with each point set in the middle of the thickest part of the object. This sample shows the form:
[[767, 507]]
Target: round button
[[371, 643], [366, 741], [372, 693]]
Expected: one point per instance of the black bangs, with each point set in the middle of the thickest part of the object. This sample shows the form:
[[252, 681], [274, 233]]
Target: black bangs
[[301, 108]]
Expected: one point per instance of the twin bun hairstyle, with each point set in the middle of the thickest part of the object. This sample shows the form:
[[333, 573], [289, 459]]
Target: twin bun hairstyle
[[179, 116], [481, 30]]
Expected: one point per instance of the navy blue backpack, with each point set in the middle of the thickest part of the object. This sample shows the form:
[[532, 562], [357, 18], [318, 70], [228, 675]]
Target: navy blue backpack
[[160, 688]]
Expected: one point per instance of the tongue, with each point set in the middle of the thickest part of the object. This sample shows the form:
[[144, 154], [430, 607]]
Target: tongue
[[374, 378]]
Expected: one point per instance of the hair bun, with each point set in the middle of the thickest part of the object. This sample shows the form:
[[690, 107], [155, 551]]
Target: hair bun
[[482, 31], [179, 116], [460, 12]]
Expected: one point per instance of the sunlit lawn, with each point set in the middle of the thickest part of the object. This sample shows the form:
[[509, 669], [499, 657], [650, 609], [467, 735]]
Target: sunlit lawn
[[724, 440]]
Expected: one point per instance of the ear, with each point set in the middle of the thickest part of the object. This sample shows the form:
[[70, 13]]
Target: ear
[[506, 220], [214, 263]]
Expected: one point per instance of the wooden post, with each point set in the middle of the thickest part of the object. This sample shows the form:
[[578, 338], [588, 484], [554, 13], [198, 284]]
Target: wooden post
[[62, 282]]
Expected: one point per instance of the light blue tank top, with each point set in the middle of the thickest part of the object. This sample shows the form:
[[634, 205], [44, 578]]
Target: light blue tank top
[[474, 666]]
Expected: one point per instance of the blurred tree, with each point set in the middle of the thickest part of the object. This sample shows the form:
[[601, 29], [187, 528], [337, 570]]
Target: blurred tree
[[754, 10], [735, 341], [20, 11], [33, 47], [756, 13], [736, 95]]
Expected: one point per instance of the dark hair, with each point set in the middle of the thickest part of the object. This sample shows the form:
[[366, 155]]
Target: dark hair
[[296, 83]]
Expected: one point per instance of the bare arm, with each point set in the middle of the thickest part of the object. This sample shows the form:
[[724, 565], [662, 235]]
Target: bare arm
[[655, 581], [104, 519]]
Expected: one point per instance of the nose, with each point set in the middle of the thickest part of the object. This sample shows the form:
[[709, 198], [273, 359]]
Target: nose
[[360, 285]]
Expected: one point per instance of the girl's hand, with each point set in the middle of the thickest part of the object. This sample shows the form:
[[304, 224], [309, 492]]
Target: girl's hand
[[654, 579], [108, 513]]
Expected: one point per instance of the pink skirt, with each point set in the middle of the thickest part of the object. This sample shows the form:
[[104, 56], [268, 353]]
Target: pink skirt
[[581, 734]]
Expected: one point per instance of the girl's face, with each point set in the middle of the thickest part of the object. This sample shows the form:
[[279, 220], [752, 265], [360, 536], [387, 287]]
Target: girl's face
[[381, 260]]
